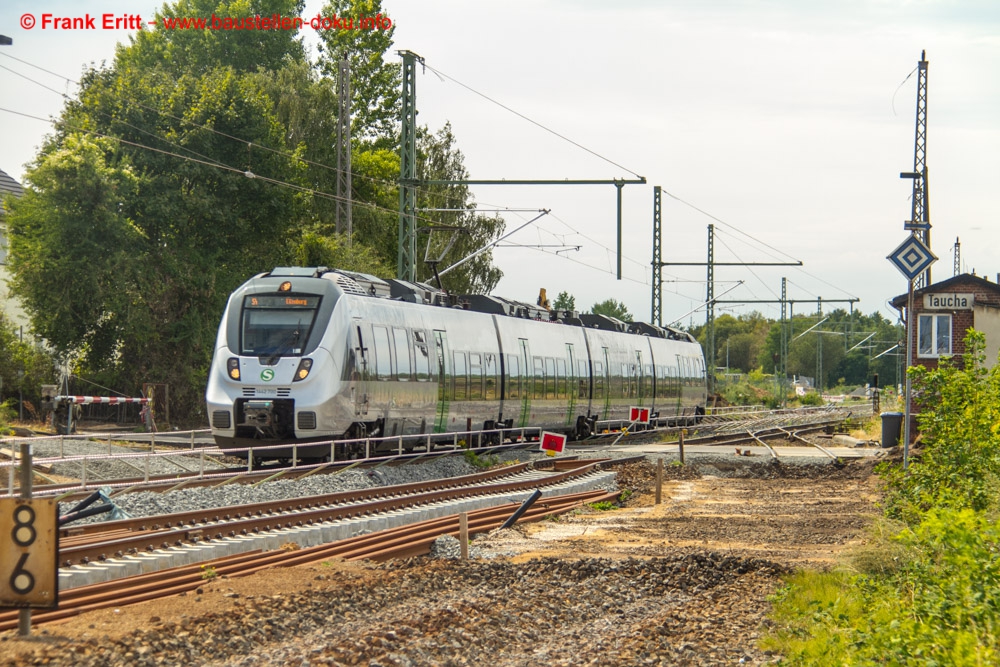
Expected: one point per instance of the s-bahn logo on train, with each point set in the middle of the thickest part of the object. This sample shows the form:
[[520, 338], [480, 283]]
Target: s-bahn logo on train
[[267, 375]]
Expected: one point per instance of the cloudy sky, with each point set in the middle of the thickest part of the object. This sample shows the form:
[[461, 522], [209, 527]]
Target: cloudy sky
[[785, 122]]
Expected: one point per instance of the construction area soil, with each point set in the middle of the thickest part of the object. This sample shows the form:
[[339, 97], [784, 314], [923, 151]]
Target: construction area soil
[[684, 582]]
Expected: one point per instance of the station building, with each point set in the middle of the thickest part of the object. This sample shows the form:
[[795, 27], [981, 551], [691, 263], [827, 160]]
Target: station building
[[944, 311]]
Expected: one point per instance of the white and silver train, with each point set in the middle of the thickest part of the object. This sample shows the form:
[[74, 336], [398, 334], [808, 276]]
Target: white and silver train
[[313, 354]]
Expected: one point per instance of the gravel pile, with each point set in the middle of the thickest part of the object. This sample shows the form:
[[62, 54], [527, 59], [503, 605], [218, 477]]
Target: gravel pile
[[663, 611]]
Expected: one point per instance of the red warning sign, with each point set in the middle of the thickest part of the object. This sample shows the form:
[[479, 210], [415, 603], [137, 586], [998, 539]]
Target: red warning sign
[[552, 442], [638, 415]]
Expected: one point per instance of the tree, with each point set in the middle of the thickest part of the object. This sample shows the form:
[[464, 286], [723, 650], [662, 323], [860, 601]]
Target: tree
[[24, 367], [438, 158], [198, 159], [155, 242], [565, 301], [612, 308], [200, 50], [375, 83]]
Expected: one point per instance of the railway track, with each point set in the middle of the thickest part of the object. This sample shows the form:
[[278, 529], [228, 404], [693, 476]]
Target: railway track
[[116, 539], [400, 542], [207, 466]]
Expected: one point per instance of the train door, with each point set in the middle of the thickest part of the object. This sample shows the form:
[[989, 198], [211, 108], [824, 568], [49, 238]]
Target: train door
[[444, 381], [607, 383], [637, 380], [570, 382], [361, 370], [527, 382]]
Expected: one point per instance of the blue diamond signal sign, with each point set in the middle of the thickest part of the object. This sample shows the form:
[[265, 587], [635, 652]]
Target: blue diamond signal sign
[[912, 257]]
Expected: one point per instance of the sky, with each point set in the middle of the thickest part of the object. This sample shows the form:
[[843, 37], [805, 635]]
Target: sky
[[784, 123]]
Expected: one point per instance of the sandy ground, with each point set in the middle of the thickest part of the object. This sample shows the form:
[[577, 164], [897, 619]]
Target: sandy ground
[[708, 557]]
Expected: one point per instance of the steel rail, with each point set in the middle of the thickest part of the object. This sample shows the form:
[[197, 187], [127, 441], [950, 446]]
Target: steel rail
[[187, 578], [796, 436], [220, 523]]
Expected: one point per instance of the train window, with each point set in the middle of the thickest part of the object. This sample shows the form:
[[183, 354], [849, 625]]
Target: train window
[[513, 376], [562, 389], [402, 353], [539, 379], [460, 377], [383, 358], [646, 390], [550, 377], [584, 379], [277, 325], [624, 390], [475, 376], [421, 363], [598, 379], [491, 377]]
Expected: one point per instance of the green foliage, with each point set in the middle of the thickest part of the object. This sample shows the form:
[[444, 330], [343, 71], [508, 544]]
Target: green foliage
[[941, 606], [603, 506], [208, 572], [438, 158], [478, 461], [810, 398], [612, 308], [124, 256], [375, 83], [927, 591], [24, 367], [565, 301], [959, 466], [199, 50]]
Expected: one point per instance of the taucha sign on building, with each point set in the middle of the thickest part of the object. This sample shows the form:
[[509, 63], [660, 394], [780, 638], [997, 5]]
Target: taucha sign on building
[[952, 301]]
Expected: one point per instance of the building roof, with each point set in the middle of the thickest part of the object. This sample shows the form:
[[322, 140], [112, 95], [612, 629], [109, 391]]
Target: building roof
[[981, 284], [9, 186]]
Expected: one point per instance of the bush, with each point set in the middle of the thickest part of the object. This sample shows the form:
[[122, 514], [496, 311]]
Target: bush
[[926, 590]]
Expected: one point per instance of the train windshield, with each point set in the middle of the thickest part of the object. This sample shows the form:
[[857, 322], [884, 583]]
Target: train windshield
[[277, 325]]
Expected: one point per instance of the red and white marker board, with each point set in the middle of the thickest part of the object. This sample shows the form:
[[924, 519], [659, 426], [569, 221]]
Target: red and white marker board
[[553, 443], [638, 415]]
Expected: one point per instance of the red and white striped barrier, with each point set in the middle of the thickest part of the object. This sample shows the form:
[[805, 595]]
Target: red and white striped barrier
[[86, 400]]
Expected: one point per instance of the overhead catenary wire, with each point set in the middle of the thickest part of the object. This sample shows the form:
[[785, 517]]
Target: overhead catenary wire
[[530, 120], [753, 238], [430, 193], [246, 173]]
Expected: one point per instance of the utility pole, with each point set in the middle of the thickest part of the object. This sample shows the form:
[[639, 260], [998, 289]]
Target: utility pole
[[656, 311], [710, 307], [957, 251], [344, 222], [784, 337]]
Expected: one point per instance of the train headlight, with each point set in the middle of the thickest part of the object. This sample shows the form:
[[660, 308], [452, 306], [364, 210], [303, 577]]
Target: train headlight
[[302, 372], [233, 368]]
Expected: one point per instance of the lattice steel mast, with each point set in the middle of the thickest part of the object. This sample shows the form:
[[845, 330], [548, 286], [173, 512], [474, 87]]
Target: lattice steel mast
[[656, 312], [406, 264], [920, 218]]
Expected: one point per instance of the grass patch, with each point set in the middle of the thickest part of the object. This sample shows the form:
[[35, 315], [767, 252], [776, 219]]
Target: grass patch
[[481, 461], [815, 613], [603, 506]]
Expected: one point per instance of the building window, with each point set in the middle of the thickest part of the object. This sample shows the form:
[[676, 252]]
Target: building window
[[934, 335]]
